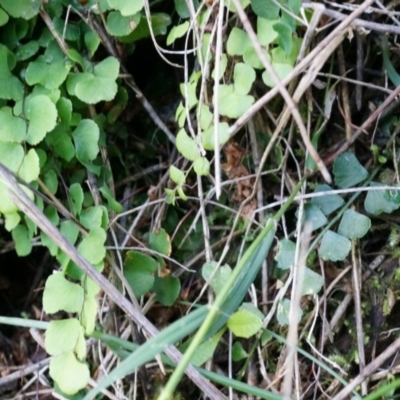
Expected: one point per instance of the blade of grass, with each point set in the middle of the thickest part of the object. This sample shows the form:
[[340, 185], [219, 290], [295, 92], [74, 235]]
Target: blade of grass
[[123, 348], [384, 390], [146, 352], [23, 322], [216, 308]]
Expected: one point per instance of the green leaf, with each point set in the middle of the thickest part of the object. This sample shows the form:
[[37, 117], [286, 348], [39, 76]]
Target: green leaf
[[206, 350], [181, 193], [189, 91], [22, 238], [139, 270], [243, 77], [62, 295], [207, 137], [50, 74], [70, 374], [92, 246], [159, 23], [177, 32], [282, 71], [94, 217], [64, 109], [3, 17], [266, 33], [29, 170], [81, 349], [160, 241], [11, 221], [232, 104], [68, 31], [217, 279], [244, 324], [286, 254], [59, 140], [347, 170], [202, 166], [283, 311], [284, 36], [112, 204], [206, 116], [176, 175], [92, 42], [25, 9], [7, 206], [222, 69], [86, 138], [12, 129], [167, 289], [27, 50], [334, 247], [187, 146], [11, 155], [69, 230], [238, 42], [62, 336], [238, 352], [329, 202], [108, 68], [76, 198], [312, 214], [89, 314], [92, 90], [231, 5], [354, 225], [42, 115], [182, 8], [51, 181], [47, 242], [251, 57], [76, 57], [126, 7], [11, 88], [90, 286], [312, 282], [265, 8], [100, 86], [379, 201]]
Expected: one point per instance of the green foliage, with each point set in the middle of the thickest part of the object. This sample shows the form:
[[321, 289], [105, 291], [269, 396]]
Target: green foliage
[[348, 171], [216, 276], [57, 106], [245, 322]]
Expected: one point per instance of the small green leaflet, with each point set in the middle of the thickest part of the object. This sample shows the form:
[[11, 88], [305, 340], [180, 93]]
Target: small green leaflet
[[187, 146], [218, 277], [348, 171], [60, 294], [78, 373], [334, 247], [62, 336]]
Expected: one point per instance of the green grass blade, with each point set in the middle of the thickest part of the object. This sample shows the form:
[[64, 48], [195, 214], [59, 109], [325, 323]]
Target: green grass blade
[[146, 352], [122, 348], [23, 322], [216, 308], [245, 279]]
